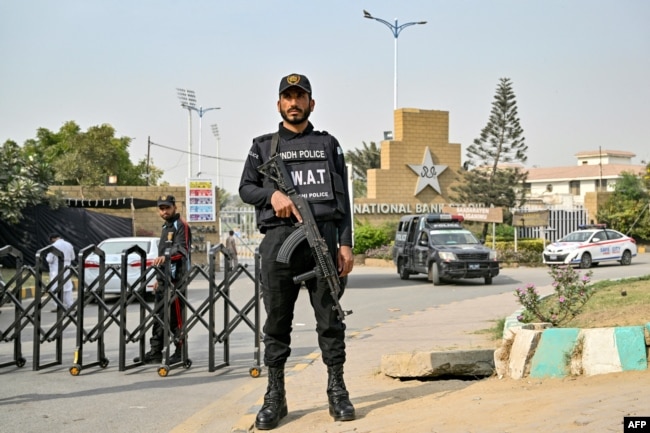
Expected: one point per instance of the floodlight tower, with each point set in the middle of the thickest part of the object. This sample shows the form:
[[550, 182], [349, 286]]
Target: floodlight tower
[[188, 100], [215, 131]]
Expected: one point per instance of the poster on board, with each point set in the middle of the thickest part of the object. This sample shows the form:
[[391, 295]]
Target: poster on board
[[201, 200]]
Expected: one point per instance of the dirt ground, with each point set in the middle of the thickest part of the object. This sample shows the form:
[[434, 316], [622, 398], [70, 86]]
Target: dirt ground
[[574, 404]]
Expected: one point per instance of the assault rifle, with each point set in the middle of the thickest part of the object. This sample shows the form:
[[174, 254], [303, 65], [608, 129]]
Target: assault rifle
[[325, 268]]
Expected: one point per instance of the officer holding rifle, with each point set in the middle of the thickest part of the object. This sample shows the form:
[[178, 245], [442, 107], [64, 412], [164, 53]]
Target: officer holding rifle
[[316, 165]]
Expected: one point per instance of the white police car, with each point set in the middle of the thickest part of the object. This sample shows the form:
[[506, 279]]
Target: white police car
[[589, 246]]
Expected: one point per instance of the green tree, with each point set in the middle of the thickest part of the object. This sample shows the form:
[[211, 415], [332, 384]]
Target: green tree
[[224, 197], [24, 181], [362, 160], [140, 172], [495, 174], [627, 209], [88, 158]]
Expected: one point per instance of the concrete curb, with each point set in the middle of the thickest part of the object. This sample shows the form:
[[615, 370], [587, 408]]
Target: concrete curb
[[27, 293], [562, 352]]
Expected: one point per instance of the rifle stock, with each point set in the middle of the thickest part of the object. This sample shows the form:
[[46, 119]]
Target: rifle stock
[[325, 268]]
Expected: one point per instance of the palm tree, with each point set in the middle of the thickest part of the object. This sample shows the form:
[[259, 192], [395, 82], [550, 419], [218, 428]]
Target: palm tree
[[362, 160]]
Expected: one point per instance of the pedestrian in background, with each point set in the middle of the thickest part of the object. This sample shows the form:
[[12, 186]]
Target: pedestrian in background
[[67, 250], [231, 247], [316, 163]]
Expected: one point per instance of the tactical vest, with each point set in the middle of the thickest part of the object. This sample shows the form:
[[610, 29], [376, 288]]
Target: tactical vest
[[311, 163]]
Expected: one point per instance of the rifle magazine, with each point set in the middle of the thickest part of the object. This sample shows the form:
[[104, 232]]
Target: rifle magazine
[[289, 245]]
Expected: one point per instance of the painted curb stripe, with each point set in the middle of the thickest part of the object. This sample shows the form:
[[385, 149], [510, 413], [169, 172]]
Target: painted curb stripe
[[550, 358], [630, 342], [599, 352]]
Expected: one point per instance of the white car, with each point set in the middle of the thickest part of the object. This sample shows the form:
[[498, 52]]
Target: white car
[[591, 245], [112, 249]]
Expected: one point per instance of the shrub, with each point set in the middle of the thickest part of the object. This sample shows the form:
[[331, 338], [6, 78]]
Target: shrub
[[504, 232], [571, 293], [367, 237], [529, 252], [389, 228]]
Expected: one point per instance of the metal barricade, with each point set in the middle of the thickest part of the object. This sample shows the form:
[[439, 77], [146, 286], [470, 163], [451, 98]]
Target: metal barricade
[[147, 314], [221, 293], [43, 295], [88, 293], [91, 322], [241, 314], [11, 291]]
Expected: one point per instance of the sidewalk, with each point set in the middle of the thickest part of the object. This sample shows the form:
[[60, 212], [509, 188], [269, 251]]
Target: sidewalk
[[584, 404]]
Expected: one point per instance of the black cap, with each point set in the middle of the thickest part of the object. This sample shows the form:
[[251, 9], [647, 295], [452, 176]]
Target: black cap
[[54, 235], [166, 200], [295, 80]]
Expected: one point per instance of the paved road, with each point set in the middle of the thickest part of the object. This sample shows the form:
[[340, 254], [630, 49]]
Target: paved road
[[138, 400]]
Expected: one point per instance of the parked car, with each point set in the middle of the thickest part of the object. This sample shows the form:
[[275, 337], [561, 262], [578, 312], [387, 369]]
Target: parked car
[[589, 246], [113, 248]]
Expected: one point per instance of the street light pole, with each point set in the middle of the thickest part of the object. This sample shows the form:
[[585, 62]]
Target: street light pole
[[395, 29], [188, 101], [215, 131]]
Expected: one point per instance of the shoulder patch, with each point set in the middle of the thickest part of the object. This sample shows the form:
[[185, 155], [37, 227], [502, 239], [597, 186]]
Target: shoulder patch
[[263, 138]]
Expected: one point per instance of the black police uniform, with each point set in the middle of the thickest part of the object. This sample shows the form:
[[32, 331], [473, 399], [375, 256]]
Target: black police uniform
[[316, 163], [177, 236]]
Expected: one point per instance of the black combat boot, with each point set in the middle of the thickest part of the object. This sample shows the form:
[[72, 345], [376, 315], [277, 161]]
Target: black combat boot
[[275, 401], [151, 357], [177, 356], [339, 400]]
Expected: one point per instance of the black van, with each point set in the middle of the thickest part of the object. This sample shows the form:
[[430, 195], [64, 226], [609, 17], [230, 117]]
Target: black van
[[438, 245]]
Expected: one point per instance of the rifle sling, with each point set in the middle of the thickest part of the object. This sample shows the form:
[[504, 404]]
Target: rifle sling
[[274, 143]]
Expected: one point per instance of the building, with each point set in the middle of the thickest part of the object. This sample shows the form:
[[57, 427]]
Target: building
[[596, 171], [420, 167]]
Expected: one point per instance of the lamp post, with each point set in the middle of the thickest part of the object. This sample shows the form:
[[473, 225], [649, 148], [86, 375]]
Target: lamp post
[[215, 131], [188, 101], [395, 29]]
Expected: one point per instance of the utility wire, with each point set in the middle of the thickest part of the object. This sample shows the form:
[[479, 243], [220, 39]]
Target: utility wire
[[196, 154]]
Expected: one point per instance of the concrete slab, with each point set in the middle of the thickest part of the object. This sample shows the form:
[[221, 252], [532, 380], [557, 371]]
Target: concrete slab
[[471, 363]]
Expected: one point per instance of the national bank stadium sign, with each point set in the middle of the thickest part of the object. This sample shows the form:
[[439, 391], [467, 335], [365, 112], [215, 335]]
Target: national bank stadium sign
[[397, 208], [471, 212]]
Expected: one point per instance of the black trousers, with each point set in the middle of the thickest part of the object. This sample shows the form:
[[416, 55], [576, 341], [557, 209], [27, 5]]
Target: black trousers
[[175, 321], [279, 294]]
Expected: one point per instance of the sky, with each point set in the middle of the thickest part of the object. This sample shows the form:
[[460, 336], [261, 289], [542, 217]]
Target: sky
[[580, 71]]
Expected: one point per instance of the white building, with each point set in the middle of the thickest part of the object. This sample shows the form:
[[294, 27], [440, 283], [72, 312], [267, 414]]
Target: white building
[[595, 171]]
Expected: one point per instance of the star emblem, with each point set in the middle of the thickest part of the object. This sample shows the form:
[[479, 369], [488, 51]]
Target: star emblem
[[428, 173]]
